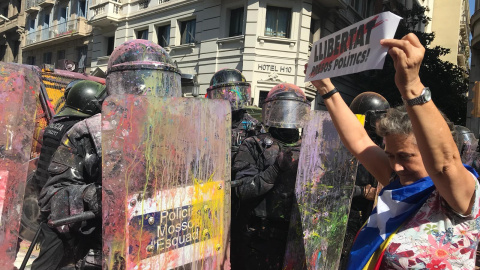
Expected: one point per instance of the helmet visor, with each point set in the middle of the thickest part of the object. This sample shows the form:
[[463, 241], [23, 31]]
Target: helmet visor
[[285, 113], [238, 94]]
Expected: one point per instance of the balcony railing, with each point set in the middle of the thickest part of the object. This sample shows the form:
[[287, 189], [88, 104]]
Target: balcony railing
[[76, 26], [106, 8], [106, 12]]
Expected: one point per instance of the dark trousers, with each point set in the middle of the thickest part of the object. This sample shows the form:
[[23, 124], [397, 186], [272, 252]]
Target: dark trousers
[[55, 250], [258, 250]]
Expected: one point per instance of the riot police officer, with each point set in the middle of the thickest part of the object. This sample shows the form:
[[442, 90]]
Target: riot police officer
[[135, 67], [83, 99], [231, 85], [370, 106], [266, 169]]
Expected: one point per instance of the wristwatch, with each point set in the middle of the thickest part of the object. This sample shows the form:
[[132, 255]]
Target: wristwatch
[[424, 97]]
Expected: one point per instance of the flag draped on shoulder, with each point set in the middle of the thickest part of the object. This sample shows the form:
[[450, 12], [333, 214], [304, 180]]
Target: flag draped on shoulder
[[396, 203]]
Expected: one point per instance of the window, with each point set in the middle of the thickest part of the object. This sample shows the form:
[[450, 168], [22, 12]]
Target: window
[[236, 22], [30, 60], [142, 34], [82, 57], [278, 22], [60, 55], [62, 20], [16, 48], [363, 7], [263, 96], [3, 51], [358, 5], [31, 24], [46, 20], [187, 31], [47, 58], [82, 8], [315, 29], [110, 45], [163, 33]]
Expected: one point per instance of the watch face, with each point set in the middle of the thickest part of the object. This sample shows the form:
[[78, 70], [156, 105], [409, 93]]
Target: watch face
[[425, 97], [428, 94]]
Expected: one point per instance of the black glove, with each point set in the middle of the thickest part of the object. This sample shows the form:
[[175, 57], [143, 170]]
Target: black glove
[[92, 196]]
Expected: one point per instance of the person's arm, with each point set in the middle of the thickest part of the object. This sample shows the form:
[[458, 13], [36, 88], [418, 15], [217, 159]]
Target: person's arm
[[435, 142], [353, 134], [255, 181]]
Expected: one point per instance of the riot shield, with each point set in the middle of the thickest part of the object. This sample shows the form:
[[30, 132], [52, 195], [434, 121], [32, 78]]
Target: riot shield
[[166, 182], [19, 87], [323, 194]]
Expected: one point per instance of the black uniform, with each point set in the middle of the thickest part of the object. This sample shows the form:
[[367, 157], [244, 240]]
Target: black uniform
[[75, 172], [52, 137], [263, 201]]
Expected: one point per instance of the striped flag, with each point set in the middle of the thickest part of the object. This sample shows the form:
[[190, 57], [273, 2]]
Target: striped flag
[[396, 203]]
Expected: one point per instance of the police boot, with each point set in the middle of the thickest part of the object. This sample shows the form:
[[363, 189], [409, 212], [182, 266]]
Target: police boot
[[92, 261]]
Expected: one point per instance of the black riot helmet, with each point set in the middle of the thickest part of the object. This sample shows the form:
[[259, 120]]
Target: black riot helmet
[[69, 87], [286, 106], [84, 99], [142, 67], [59, 106], [372, 106], [231, 85]]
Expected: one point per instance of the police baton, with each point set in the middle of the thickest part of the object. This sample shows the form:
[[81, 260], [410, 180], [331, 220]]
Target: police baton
[[71, 219], [52, 224]]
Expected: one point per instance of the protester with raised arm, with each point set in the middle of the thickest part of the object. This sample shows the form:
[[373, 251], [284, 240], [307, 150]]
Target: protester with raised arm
[[427, 214]]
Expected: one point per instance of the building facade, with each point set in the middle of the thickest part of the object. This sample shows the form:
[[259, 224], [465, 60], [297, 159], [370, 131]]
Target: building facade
[[56, 31], [12, 21], [473, 122], [268, 40], [451, 25]]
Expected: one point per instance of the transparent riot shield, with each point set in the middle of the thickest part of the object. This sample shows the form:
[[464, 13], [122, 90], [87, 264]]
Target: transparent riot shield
[[19, 87], [323, 194], [470, 154], [166, 182]]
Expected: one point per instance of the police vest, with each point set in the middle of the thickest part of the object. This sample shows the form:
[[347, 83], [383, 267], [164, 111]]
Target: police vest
[[51, 140], [277, 203]]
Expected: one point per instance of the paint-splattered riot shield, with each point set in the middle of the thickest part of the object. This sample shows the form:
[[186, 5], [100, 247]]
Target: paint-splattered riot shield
[[166, 182], [323, 194], [19, 87]]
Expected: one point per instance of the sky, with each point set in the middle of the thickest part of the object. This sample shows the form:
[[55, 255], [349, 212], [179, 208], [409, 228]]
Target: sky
[[472, 6]]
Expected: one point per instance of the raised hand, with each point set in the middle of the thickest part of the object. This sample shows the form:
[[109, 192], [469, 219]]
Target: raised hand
[[407, 54]]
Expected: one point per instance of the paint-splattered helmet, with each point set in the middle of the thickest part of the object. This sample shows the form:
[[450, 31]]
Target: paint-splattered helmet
[[286, 106], [231, 85], [84, 99], [372, 105], [144, 68]]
